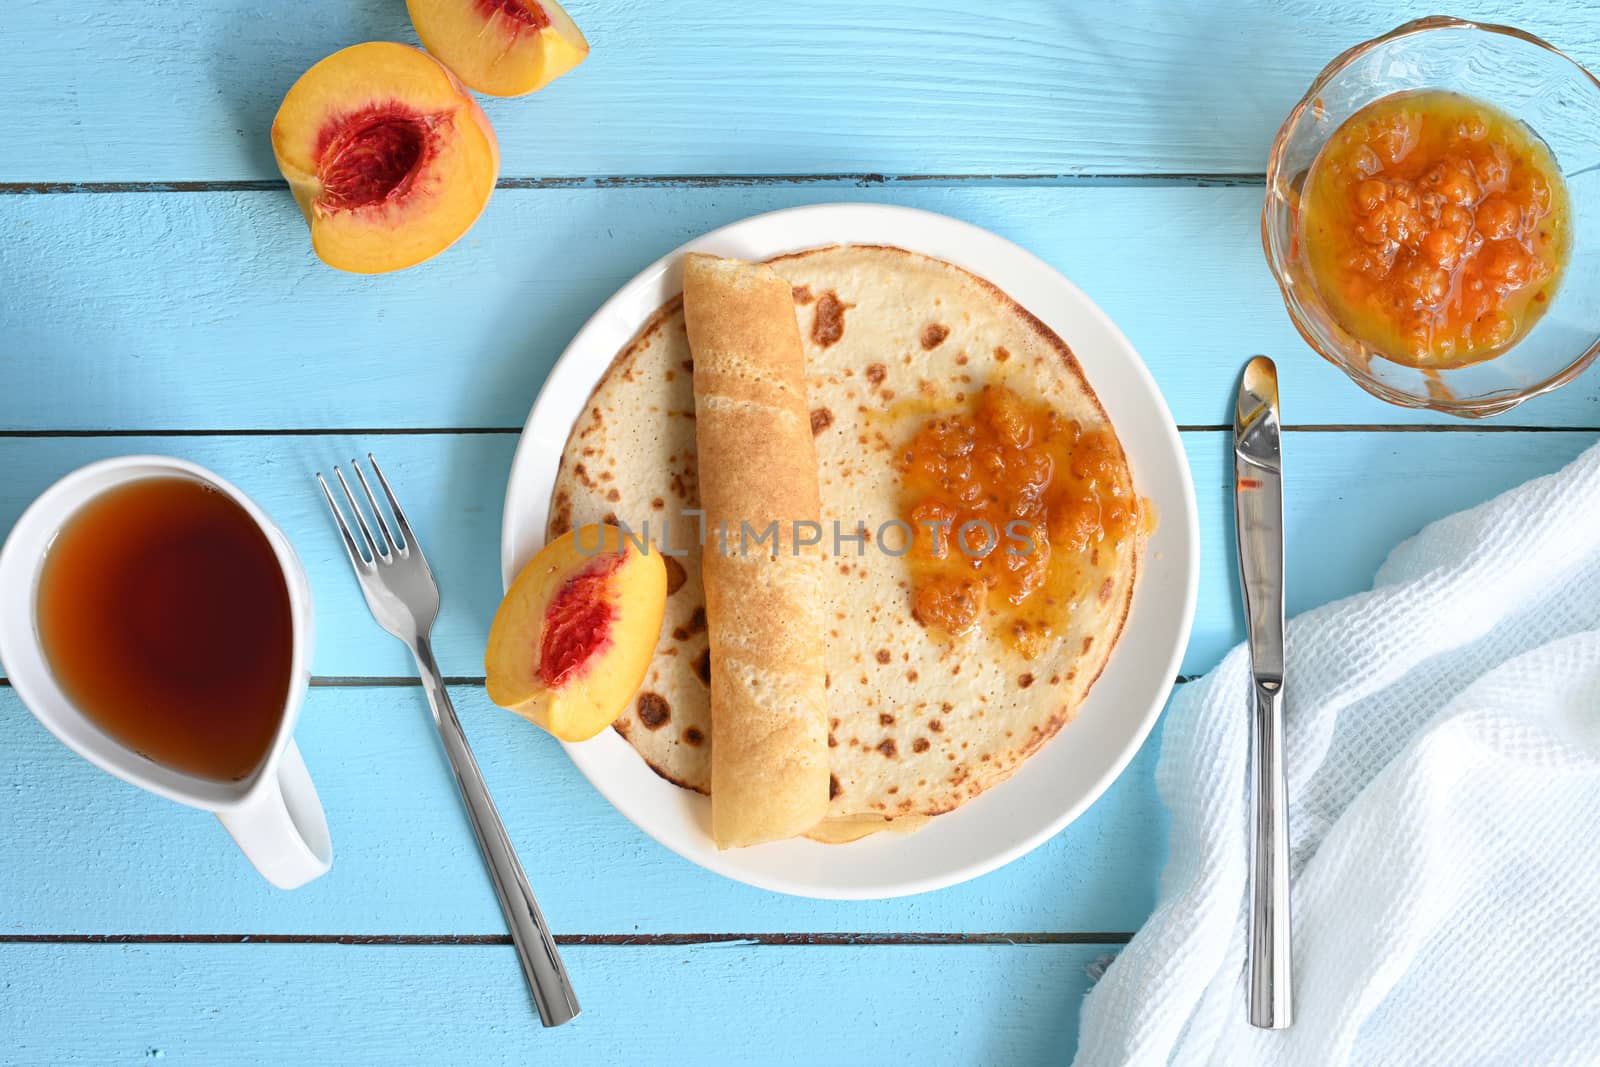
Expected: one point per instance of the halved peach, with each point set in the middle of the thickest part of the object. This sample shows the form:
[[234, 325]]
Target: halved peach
[[500, 47], [576, 631], [388, 155]]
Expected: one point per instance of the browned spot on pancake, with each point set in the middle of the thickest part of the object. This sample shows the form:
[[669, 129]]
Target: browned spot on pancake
[[582, 474], [933, 335], [613, 496], [827, 325], [611, 517], [884, 656], [876, 372], [886, 746], [1025, 681], [959, 776], [911, 676], [885, 719], [653, 709], [687, 365], [827, 683], [658, 503], [803, 294], [561, 521], [670, 375], [680, 634], [834, 788], [893, 789], [936, 726], [1001, 354], [1106, 588], [821, 419], [1088, 643], [833, 742], [887, 394], [1055, 679], [697, 620], [863, 679], [844, 568], [676, 575], [1071, 675], [607, 476], [702, 666], [693, 736], [921, 744]]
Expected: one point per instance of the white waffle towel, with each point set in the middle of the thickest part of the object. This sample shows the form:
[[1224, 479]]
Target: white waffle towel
[[1443, 736]]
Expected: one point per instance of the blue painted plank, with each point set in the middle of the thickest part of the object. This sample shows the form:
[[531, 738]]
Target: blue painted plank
[[183, 311], [1351, 497], [171, 90], [405, 861], [253, 1004]]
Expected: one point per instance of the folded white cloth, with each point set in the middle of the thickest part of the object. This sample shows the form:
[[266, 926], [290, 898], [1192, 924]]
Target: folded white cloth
[[1443, 736]]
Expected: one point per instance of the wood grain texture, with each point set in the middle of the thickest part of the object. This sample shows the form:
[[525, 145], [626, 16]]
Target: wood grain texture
[[173, 90], [405, 861], [1351, 497], [249, 1004], [209, 311]]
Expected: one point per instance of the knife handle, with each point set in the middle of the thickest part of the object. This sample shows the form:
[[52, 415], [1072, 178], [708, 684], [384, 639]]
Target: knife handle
[[1271, 1006]]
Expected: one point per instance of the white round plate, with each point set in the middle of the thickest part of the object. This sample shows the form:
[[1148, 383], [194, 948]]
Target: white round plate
[[1068, 774]]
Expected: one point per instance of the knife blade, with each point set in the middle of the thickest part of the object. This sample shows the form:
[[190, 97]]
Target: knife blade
[[1258, 523]]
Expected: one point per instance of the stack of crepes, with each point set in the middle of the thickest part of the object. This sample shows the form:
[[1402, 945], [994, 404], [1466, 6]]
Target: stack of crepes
[[764, 604], [793, 688]]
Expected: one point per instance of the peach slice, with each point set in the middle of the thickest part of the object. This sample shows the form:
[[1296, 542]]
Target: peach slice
[[576, 631], [388, 155], [500, 47]]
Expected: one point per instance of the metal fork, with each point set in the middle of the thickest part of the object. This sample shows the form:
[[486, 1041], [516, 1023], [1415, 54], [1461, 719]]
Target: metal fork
[[404, 599]]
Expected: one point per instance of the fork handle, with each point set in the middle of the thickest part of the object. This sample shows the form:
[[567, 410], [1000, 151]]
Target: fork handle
[[541, 963]]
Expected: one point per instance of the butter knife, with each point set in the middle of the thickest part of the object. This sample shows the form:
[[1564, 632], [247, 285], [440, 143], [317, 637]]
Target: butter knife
[[1258, 515]]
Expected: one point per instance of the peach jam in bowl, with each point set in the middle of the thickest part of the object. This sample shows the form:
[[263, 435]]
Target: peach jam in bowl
[[1426, 216]]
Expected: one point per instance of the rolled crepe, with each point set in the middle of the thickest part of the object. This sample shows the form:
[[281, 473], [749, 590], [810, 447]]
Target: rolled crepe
[[764, 610]]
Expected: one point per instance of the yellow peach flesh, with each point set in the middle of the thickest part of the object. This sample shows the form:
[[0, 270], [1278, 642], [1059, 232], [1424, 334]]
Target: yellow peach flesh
[[387, 154], [575, 634], [500, 47]]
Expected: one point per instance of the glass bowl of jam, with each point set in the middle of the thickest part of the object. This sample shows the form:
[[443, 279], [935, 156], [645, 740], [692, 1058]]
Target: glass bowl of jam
[[1427, 216]]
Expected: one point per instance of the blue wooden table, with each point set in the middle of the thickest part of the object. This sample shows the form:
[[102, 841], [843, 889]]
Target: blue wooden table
[[158, 293]]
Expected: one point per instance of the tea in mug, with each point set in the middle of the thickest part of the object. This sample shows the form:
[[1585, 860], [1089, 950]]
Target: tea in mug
[[165, 617]]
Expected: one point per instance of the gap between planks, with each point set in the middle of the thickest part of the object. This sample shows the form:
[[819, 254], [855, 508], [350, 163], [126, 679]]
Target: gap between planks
[[807, 940], [858, 180]]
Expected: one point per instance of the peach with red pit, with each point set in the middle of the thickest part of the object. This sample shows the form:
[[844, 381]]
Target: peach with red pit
[[575, 633], [388, 155]]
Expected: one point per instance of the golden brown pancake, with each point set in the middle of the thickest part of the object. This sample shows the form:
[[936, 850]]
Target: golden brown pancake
[[919, 722]]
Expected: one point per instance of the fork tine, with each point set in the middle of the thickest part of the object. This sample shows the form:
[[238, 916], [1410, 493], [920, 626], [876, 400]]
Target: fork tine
[[356, 559], [394, 505], [355, 509], [389, 543]]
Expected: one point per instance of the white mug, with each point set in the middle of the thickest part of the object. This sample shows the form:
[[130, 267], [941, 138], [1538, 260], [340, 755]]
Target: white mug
[[274, 815]]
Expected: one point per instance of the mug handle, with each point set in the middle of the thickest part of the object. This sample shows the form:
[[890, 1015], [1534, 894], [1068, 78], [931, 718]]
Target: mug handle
[[281, 828]]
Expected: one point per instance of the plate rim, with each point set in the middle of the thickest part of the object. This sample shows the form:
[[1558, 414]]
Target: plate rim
[[837, 216]]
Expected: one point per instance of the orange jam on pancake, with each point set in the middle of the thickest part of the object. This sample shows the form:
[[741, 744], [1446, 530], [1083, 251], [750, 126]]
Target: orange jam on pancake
[[1436, 228], [1009, 504]]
